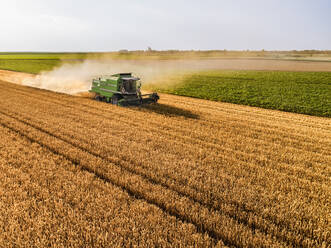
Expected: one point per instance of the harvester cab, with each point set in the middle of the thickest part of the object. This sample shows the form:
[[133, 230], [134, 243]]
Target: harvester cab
[[121, 89]]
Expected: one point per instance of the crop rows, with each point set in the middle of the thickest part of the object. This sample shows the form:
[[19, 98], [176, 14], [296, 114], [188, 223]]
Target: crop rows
[[238, 174], [48, 201]]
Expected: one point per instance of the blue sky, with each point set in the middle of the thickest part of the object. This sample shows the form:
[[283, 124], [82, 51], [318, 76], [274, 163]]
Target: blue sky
[[108, 25]]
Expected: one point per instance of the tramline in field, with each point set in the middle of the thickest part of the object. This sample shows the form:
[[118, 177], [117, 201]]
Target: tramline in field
[[121, 89]]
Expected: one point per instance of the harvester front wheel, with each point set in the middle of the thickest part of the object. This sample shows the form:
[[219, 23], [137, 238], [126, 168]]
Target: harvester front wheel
[[115, 99], [97, 97], [155, 97]]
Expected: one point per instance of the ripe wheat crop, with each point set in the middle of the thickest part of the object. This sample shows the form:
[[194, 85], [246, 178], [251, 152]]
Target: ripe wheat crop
[[183, 172]]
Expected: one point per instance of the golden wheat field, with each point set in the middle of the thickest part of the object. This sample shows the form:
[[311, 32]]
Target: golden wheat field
[[184, 172]]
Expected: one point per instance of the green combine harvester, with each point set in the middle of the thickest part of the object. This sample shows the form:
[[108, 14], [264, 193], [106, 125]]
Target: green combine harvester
[[121, 89]]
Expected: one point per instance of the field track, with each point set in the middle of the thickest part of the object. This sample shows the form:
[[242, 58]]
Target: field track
[[184, 172]]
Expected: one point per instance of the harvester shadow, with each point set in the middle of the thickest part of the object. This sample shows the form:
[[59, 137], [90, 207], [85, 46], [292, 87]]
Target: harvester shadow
[[168, 110]]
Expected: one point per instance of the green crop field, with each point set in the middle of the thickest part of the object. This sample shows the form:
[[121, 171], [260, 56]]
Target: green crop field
[[29, 65], [299, 92], [36, 62]]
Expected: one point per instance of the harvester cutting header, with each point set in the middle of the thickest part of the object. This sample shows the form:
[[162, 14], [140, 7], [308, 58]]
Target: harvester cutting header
[[121, 89]]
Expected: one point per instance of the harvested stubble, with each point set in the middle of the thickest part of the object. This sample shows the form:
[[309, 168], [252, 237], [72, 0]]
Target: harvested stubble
[[246, 177]]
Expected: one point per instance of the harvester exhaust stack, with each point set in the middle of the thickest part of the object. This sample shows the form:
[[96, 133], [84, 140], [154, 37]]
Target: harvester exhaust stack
[[121, 89]]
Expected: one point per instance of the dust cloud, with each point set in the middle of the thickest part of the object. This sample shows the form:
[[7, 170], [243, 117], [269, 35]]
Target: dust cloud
[[76, 78]]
